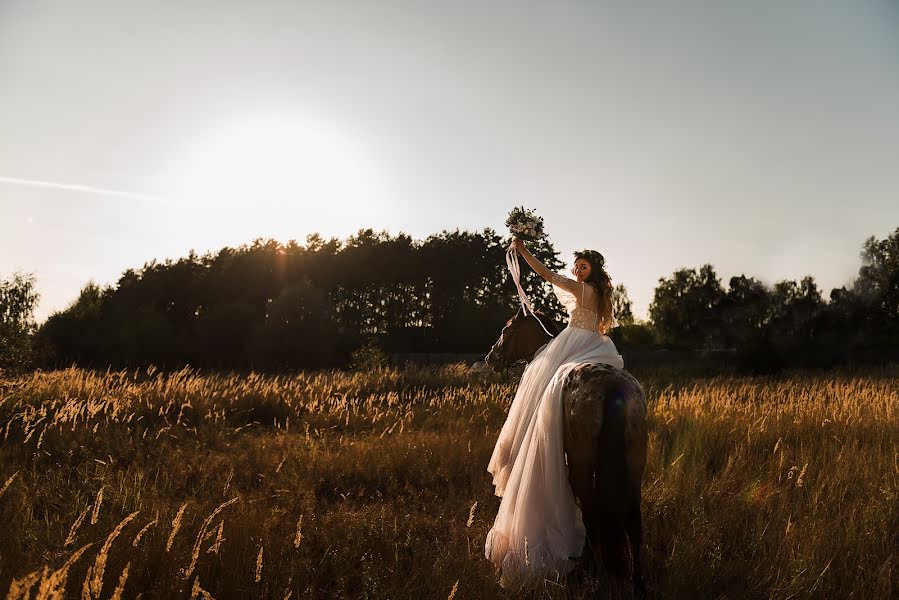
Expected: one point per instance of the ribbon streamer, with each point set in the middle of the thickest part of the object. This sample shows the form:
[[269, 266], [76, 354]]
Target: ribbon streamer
[[526, 305]]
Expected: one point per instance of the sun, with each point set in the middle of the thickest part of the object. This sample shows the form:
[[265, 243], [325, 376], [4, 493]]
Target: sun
[[276, 175]]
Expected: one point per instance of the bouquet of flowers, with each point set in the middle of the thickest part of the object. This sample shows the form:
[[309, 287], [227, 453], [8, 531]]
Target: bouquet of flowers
[[525, 224]]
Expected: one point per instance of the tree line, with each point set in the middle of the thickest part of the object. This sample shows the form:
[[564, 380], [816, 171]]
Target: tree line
[[273, 306]]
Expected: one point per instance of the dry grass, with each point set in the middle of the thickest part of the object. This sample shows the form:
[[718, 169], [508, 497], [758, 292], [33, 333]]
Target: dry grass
[[756, 487]]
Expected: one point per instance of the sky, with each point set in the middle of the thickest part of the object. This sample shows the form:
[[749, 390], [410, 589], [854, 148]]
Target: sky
[[761, 137]]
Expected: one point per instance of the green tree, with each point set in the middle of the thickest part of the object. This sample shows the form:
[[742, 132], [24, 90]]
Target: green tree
[[18, 300], [75, 335], [449, 293], [685, 310], [299, 329], [224, 331], [794, 306], [621, 306], [877, 285], [745, 309]]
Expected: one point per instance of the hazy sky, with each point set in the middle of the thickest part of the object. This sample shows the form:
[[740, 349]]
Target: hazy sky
[[760, 136]]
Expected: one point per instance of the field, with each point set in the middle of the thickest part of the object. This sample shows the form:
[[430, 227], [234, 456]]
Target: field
[[373, 485]]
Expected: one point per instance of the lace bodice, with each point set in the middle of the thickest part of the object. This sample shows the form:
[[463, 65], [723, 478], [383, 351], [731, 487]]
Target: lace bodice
[[584, 318], [579, 316]]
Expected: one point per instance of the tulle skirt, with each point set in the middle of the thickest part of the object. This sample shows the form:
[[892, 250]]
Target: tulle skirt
[[538, 528]]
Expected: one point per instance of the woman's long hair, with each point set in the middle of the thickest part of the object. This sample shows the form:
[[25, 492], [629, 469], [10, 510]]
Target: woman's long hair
[[601, 281]]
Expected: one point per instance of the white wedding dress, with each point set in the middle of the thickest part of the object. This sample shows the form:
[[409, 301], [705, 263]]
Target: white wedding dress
[[538, 527]]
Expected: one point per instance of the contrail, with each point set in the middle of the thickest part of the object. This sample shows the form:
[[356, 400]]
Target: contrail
[[71, 187]]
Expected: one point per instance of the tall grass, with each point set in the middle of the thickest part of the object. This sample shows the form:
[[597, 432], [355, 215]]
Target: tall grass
[[373, 484]]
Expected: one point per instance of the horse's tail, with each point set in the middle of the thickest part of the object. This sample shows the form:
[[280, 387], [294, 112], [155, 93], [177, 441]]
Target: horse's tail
[[613, 481]]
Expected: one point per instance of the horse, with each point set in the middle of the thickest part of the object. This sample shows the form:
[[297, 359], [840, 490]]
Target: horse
[[605, 439]]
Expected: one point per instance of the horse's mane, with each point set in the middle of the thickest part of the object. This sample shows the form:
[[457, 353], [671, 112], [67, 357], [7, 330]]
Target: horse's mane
[[550, 324]]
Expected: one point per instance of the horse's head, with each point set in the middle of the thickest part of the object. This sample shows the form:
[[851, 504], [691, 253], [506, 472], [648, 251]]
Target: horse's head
[[519, 340]]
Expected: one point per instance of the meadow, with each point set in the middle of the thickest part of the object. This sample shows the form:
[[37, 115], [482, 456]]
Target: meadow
[[373, 485]]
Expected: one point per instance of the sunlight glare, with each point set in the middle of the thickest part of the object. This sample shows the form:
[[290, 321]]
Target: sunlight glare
[[277, 175]]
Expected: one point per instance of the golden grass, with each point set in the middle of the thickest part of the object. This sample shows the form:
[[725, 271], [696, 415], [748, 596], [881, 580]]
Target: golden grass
[[93, 582], [201, 536], [70, 539], [8, 483], [176, 525], [259, 565], [773, 487], [120, 587], [54, 585], [299, 535]]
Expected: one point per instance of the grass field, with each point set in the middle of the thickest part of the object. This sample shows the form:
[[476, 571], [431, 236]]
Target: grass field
[[336, 484]]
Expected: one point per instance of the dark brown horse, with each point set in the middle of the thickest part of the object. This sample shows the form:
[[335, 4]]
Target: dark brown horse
[[604, 412]]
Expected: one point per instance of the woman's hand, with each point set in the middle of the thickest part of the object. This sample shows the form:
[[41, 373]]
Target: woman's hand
[[529, 258]]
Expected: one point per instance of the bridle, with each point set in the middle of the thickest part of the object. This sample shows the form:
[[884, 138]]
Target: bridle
[[502, 363]]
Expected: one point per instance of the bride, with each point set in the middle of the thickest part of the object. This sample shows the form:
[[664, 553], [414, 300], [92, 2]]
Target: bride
[[538, 528]]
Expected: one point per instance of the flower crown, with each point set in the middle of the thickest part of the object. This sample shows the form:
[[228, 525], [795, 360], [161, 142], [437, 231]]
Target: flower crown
[[595, 259]]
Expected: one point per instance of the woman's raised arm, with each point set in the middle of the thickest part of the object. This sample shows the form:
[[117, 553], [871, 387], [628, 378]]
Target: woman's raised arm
[[532, 260], [569, 285]]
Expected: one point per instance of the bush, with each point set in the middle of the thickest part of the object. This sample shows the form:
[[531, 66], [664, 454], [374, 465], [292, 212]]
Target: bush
[[760, 355], [637, 336], [369, 356]]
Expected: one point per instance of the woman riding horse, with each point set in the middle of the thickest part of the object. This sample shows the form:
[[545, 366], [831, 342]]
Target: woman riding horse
[[575, 433]]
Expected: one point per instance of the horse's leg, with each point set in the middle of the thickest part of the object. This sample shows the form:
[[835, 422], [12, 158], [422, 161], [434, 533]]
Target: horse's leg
[[634, 527], [580, 473]]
